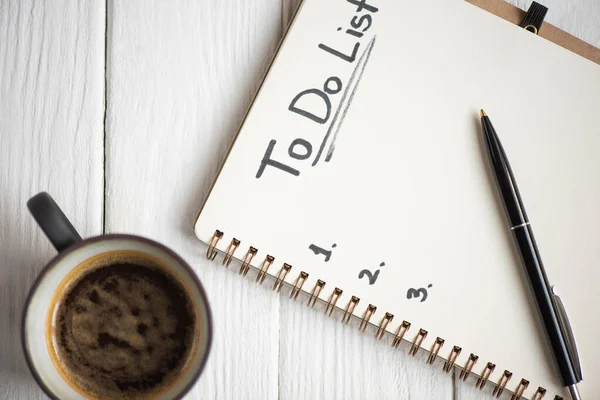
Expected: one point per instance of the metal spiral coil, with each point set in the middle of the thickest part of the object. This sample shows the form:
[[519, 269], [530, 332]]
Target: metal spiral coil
[[402, 329], [350, 309], [314, 296], [485, 375], [520, 389], [335, 295], [464, 374], [418, 340], [245, 267], [449, 364], [382, 326], [539, 394], [387, 318], [435, 349], [502, 384], [229, 252], [298, 285], [364, 322], [285, 269]]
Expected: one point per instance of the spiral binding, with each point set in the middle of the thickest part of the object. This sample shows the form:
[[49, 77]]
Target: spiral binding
[[464, 374], [449, 364], [485, 375], [401, 331], [435, 349], [387, 318]]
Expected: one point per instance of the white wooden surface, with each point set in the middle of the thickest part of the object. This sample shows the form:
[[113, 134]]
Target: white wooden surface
[[178, 77], [51, 134]]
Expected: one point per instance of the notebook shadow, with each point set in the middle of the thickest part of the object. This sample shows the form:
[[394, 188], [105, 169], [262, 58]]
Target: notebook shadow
[[23, 253], [215, 154], [18, 269], [205, 176]]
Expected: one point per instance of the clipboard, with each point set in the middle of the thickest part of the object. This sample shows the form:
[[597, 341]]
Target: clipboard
[[515, 15]]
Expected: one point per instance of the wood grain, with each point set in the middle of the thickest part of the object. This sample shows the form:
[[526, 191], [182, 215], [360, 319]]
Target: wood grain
[[51, 134], [180, 78]]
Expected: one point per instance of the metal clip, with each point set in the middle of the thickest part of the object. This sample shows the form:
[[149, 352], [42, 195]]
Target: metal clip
[[534, 18]]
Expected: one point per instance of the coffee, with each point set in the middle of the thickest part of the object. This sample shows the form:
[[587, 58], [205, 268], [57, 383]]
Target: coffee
[[122, 326]]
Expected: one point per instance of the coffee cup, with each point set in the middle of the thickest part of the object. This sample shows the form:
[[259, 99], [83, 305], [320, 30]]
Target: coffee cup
[[113, 316]]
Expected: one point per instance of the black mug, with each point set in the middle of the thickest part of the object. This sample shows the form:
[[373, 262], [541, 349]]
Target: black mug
[[40, 308]]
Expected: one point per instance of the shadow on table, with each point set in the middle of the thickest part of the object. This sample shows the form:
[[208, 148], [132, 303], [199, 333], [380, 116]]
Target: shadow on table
[[20, 264], [210, 157]]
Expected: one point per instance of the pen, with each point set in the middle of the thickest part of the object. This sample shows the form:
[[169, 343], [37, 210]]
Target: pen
[[550, 307]]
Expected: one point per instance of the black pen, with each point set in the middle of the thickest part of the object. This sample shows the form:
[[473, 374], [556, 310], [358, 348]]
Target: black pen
[[550, 307]]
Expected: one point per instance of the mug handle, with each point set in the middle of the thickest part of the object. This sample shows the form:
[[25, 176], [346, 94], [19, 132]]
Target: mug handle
[[53, 221]]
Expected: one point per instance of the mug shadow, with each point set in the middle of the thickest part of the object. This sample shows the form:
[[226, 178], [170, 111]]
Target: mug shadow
[[15, 383], [19, 267]]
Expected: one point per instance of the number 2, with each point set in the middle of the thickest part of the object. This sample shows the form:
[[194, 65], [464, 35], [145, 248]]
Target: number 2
[[372, 276]]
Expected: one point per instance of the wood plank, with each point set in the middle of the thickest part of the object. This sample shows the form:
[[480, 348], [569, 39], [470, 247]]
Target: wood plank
[[51, 117], [181, 76]]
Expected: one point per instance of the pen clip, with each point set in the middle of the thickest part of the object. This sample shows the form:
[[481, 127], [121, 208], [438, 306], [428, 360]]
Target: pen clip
[[567, 332]]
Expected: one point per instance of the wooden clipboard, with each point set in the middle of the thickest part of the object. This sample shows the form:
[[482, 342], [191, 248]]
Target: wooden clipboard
[[515, 15]]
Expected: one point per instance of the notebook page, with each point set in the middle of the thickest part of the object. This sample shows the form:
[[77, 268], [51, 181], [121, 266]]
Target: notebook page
[[361, 163]]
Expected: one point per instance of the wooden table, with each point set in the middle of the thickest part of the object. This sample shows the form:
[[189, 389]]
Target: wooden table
[[123, 111]]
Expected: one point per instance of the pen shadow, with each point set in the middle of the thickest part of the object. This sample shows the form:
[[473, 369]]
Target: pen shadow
[[539, 332]]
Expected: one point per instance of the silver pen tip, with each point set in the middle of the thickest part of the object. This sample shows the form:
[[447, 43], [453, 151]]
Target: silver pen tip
[[574, 392]]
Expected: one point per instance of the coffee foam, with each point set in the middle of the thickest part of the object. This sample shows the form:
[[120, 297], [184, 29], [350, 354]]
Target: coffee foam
[[123, 326]]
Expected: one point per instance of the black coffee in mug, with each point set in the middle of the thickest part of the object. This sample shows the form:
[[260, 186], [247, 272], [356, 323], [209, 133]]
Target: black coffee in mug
[[114, 316], [122, 325]]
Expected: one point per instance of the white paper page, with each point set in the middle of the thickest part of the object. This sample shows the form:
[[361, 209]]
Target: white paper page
[[408, 184]]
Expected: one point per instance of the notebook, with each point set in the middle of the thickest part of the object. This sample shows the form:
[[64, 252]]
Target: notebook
[[359, 177]]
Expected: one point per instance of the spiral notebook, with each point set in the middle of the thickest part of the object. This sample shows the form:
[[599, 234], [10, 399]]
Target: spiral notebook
[[359, 178]]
